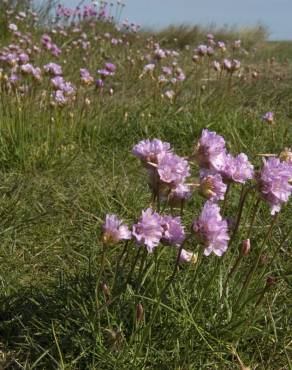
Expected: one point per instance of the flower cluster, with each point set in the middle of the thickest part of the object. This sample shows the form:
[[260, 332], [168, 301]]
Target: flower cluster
[[167, 171], [149, 231], [275, 183], [212, 156]]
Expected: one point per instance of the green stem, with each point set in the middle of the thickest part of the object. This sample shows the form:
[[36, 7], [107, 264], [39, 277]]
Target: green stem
[[167, 285], [255, 211], [231, 273], [255, 265], [277, 249]]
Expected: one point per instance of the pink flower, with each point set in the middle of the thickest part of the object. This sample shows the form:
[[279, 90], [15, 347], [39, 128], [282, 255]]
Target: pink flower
[[210, 151], [173, 231], [274, 182], [148, 231], [114, 230], [172, 169], [211, 230], [187, 256], [212, 186], [237, 169], [148, 150]]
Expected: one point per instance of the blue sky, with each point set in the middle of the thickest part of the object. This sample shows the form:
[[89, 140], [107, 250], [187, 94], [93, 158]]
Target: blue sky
[[275, 14]]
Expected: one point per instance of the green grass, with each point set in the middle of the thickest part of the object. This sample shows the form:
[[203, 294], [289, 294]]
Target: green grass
[[63, 169]]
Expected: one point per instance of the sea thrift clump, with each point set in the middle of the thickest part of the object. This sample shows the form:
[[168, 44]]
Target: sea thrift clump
[[114, 230], [210, 151], [211, 230], [148, 231], [274, 182]]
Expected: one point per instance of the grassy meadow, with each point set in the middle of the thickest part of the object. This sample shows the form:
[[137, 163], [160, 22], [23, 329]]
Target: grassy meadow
[[67, 300]]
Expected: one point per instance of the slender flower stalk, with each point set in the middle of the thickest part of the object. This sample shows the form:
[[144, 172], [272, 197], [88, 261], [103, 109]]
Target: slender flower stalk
[[253, 268]]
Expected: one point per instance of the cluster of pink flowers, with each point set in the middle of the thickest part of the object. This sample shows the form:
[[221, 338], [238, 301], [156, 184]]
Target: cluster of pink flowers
[[48, 44], [167, 171], [151, 230], [213, 158], [64, 91]]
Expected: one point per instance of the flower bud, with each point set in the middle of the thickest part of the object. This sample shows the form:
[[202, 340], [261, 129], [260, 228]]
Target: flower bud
[[271, 280], [105, 290], [245, 248], [139, 313], [286, 155], [196, 59]]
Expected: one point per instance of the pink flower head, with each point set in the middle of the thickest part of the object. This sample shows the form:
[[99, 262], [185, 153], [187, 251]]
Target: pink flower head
[[59, 98], [210, 51], [110, 67], [268, 117], [221, 45], [167, 70], [37, 73], [216, 65], [114, 230], [186, 256], [173, 231], [148, 150], [53, 69], [159, 53], [46, 39], [202, 50], [180, 192], [86, 78], [149, 67], [210, 151], [274, 182], [27, 68], [12, 27], [211, 230], [172, 169], [57, 82], [212, 186], [227, 64], [23, 58], [99, 83], [148, 231], [237, 169], [104, 72]]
